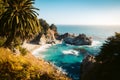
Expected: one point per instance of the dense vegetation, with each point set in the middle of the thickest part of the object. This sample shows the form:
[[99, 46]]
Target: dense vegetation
[[2, 5], [110, 50], [44, 26], [18, 21], [107, 66]]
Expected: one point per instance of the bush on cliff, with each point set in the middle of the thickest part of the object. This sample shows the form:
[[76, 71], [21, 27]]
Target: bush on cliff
[[44, 26], [110, 50]]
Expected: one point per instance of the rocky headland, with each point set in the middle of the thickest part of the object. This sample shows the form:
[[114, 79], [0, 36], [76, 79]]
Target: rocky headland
[[72, 39], [50, 35], [47, 35]]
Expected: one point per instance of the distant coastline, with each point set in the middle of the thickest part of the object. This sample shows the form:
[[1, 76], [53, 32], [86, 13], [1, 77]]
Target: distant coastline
[[93, 31]]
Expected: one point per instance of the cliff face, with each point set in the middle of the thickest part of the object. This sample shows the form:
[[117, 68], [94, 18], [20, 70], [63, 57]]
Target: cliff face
[[47, 35], [86, 66], [42, 40], [92, 70]]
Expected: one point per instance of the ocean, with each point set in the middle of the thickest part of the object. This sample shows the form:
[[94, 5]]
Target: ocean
[[67, 58]]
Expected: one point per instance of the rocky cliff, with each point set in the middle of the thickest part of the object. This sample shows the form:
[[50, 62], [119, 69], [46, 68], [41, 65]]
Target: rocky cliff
[[106, 65], [86, 66], [47, 35], [93, 70]]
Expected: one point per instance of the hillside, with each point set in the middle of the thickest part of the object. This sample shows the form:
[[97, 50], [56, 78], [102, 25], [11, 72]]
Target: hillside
[[18, 67]]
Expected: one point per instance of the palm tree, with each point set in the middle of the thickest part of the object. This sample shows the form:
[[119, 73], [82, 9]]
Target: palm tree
[[18, 21], [3, 3]]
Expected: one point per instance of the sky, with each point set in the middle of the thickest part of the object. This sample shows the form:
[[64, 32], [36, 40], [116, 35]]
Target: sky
[[79, 12]]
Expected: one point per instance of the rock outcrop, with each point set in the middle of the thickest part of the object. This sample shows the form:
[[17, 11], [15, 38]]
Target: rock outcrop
[[42, 40], [50, 36], [54, 28], [81, 39], [45, 38], [47, 35], [87, 65], [91, 69]]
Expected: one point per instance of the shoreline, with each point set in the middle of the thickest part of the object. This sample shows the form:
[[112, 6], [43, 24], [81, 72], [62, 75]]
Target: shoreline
[[41, 49], [36, 48]]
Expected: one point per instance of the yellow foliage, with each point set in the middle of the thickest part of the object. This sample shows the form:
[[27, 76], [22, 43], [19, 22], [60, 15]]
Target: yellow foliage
[[18, 67]]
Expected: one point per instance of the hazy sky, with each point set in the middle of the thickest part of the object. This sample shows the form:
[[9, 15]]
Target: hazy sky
[[80, 12]]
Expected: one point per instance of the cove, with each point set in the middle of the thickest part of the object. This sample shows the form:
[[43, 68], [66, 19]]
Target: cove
[[67, 58]]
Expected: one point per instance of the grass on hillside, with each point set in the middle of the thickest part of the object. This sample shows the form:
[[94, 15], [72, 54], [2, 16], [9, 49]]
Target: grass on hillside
[[18, 67]]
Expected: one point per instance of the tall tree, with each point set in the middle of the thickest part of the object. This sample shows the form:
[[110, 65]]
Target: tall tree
[[18, 21]]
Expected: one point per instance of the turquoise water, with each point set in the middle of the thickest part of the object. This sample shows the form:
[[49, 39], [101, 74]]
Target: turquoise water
[[61, 56], [68, 57]]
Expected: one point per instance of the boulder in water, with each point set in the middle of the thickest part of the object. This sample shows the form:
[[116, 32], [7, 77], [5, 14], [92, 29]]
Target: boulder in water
[[81, 39]]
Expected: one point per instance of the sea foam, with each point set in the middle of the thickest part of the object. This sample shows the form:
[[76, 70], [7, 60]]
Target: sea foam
[[73, 52], [42, 48], [96, 43]]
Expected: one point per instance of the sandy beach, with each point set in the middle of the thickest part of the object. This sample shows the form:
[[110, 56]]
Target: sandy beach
[[30, 47], [36, 48]]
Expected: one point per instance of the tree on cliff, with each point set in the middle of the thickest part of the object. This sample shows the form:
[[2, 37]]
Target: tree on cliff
[[44, 26], [110, 50], [53, 27], [109, 58], [18, 21]]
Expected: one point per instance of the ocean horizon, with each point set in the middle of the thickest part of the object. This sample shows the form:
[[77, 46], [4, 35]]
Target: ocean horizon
[[97, 32], [66, 58]]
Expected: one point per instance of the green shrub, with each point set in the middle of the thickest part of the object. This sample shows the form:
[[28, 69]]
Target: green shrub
[[2, 40], [23, 51]]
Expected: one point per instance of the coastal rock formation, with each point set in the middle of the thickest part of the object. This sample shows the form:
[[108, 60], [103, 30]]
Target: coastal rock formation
[[81, 39], [91, 69], [42, 40], [87, 65], [50, 36], [66, 35], [47, 35], [54, 28]]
